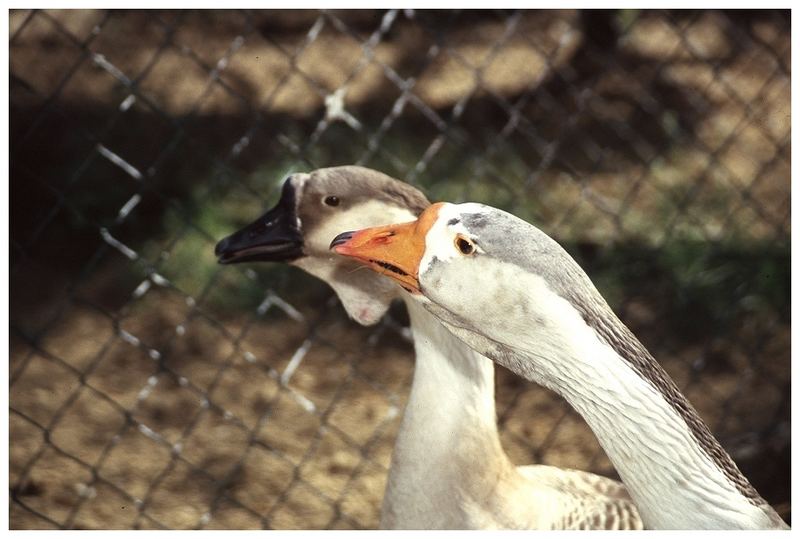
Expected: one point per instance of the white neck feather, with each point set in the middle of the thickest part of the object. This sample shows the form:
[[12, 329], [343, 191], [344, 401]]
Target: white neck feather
[[459, 380], [448, 431], [672, 480]]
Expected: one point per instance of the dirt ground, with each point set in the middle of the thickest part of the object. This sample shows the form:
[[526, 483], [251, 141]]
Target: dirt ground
[[145, 449]]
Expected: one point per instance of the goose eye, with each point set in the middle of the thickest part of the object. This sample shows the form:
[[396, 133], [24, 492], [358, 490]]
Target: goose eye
[[464, 245], [332, 200]]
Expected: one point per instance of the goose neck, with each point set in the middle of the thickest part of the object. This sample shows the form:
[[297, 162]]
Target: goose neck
[[677, 473], [452, 394]]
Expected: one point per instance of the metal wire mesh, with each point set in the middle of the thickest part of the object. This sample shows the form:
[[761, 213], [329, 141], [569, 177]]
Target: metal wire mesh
[[150, 388]]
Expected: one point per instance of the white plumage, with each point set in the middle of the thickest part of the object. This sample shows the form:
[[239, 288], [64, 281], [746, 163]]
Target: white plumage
[[448, 468], [512, 293]]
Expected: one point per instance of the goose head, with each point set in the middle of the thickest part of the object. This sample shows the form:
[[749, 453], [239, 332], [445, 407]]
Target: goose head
[[314, 207], [484, 272]]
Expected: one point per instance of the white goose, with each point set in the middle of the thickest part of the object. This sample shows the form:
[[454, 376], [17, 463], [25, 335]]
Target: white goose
[[513, 294], [448, 469]]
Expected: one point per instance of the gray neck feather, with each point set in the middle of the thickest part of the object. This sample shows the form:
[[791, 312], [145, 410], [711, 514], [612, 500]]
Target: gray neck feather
[[495, 233]]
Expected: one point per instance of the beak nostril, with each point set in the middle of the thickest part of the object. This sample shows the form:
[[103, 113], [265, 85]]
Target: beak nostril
[[340, 239]]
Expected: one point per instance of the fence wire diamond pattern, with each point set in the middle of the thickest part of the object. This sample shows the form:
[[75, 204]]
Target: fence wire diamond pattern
[[151, 388]]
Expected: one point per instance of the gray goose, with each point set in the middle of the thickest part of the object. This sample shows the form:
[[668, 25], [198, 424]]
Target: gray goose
[[513, 294]]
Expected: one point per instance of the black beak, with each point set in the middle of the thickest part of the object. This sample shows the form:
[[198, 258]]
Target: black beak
[[273, 237]]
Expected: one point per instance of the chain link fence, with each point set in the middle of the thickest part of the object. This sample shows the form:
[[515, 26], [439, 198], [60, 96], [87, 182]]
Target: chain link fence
[[152, 388]]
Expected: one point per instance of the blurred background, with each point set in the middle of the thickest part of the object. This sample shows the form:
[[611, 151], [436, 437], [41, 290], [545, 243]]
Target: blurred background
[[152, 388]]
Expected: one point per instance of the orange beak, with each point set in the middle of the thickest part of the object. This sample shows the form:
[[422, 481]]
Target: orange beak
[[392, 250]]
